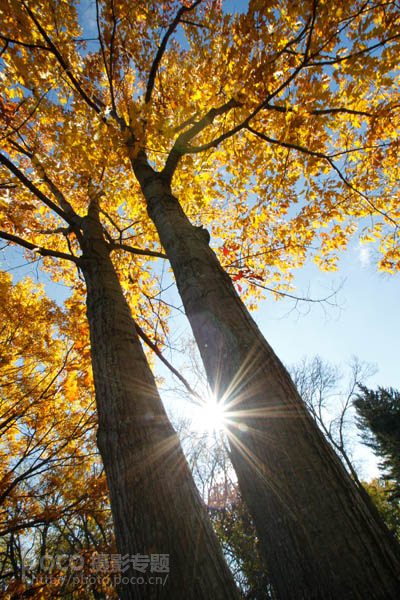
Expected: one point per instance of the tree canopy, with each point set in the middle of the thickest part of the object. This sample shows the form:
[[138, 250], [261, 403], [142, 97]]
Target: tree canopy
[[277, 124]]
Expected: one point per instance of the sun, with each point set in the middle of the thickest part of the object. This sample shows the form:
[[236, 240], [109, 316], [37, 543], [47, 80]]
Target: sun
[[209, 415]]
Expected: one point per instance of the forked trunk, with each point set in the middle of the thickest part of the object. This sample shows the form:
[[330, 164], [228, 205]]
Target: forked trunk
[[320, 538], [157, 512]]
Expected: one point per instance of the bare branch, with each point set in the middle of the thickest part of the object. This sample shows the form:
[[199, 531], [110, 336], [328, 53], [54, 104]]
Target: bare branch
[[292, 296], [156, 350]]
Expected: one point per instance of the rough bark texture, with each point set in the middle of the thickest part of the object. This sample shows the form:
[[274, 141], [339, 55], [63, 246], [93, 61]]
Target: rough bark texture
[[155, 504], [320, 538]]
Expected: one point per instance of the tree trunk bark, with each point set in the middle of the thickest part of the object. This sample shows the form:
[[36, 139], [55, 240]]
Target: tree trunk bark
[[155, 504], [319, 537]]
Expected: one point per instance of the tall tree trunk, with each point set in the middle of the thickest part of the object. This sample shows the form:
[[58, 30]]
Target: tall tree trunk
[[155, 504], [318, 535]]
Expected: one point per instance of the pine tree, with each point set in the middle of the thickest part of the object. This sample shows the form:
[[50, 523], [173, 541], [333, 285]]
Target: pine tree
[[379, 421]]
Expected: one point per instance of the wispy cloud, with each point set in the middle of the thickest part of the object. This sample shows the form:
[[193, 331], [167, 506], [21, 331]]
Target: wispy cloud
[[364, 255]]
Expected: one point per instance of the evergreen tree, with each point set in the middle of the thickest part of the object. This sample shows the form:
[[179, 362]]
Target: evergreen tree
[[379, 421]]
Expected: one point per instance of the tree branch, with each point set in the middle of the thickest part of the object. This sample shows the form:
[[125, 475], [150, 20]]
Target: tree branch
[[289, 145], [38, 249], [323, 111], [35, 190], [4, 48], [155, 349], [126, 248], [42, 518], [292, 296], [177, 151], [16, 129], [340, 59], [63, 202], [162, 47], [312, 24], [108, 68], [61, 61], [329, 160], [181, 147], [24, 44]]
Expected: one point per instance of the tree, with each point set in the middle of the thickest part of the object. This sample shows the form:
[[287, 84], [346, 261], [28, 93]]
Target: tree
[[41, 440], [47, 427], [381, 491], [379, 421], [151, 489], [250, 105], [333, 411], [235, 529], [317, 382], [62, 551], [330, 402], [205, 443], [53, 492], [294, 485]]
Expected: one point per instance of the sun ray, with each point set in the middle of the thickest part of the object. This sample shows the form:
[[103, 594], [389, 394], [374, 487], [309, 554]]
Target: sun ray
[[209, 415]]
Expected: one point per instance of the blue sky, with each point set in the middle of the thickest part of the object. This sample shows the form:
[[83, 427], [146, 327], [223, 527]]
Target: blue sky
[[365, 323]]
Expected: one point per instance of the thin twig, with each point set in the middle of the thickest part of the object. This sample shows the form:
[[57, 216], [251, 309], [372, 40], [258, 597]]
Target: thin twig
[[156, 350]]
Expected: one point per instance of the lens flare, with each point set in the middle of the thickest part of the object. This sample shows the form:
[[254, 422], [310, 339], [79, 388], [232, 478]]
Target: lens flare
[[209, 415]]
